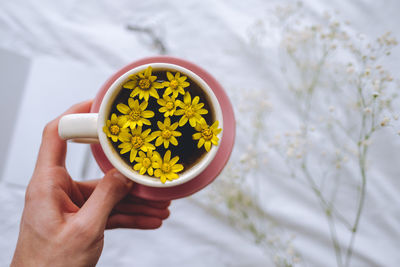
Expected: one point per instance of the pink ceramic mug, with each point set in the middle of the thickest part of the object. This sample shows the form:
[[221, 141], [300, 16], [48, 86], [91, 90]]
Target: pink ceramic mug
[[88, 128]]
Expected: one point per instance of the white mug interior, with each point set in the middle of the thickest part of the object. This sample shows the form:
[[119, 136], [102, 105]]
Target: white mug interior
[[113, 155]]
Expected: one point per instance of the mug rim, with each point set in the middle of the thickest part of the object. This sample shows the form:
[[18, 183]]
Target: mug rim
[[115, 158]]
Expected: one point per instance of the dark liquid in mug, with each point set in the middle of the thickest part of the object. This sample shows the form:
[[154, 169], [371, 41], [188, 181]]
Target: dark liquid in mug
[[189, 154]]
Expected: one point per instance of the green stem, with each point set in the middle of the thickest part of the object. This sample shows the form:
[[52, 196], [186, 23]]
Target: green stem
[[362, 158]]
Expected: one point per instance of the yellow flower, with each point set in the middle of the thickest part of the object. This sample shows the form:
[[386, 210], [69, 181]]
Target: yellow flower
[[191, 111], [135, 114], [175, 84], [114, 127], [169, 105], [167, 168], [147, 162], [144, 85], [135, 141], [167, 133], [207, 134]]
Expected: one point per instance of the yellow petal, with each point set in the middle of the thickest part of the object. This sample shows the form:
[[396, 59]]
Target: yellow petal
[[166, 144], [174, 160], [179, 112], [143, 105], [135, 92], [171, 176], [153, 93], [114, 119], [160, 125], [147, 72], [202, 111], [137, 166], [214, 125], [167, 156], [183, 121], [132, 156], [170, 76], [187, 98], [214, 140], [124, 109], [158, 85], [146, 133], [174, 126], [193, 121], [159, 141], [167, 122], [147, 114], [173, 141], [157, 173], [196, 136], [130, 85], [146, 121], [207, 146], [200, 143], [177, 168], [195, 100], [168, 91], [217, 131], [176, 133]]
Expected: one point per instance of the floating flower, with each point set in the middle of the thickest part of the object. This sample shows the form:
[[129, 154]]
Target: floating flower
[[167, 133], [146, 162], [135, 114], [175, 84], [135, 141], [144, 85], [167, 168], [207, 135], [169, 105], [114, 127], [191, 111]]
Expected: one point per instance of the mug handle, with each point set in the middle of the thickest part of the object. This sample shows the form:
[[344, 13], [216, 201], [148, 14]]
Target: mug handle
[[79, 128]]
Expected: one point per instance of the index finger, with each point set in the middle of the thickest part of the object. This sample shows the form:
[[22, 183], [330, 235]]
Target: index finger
[[53, 149]]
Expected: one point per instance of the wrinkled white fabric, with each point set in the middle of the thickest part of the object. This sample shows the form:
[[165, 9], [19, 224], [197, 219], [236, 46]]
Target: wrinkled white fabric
[[214, 34]]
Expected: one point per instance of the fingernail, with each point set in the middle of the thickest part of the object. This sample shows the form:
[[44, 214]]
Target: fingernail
[[121, 177]]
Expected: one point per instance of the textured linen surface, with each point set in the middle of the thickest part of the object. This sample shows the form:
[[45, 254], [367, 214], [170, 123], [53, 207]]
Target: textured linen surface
[[94, 36]]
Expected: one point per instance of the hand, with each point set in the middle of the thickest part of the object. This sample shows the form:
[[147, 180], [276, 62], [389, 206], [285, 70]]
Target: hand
[[63, 221]]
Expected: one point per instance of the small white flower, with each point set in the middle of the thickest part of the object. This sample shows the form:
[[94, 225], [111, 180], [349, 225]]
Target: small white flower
[[375, 94], [367, 110], [385, 121]]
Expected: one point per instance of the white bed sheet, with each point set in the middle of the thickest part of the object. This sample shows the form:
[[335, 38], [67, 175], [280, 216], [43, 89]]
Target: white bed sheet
[[93, 37]]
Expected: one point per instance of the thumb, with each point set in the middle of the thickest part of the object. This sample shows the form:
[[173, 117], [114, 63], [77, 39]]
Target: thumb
[[108, 192]]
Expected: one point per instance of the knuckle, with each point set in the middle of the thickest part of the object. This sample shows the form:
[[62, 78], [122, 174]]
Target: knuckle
[[49, 128], [118, 186], [166, 214]]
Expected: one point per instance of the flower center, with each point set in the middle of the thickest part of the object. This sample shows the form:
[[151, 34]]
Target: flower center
[[114, 129], [189, 112], [166, 168], [166, 134], [137, 141], [144, 84], [173, 84], [135, 115], [169, 105], [146, 163], [207, 133]]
